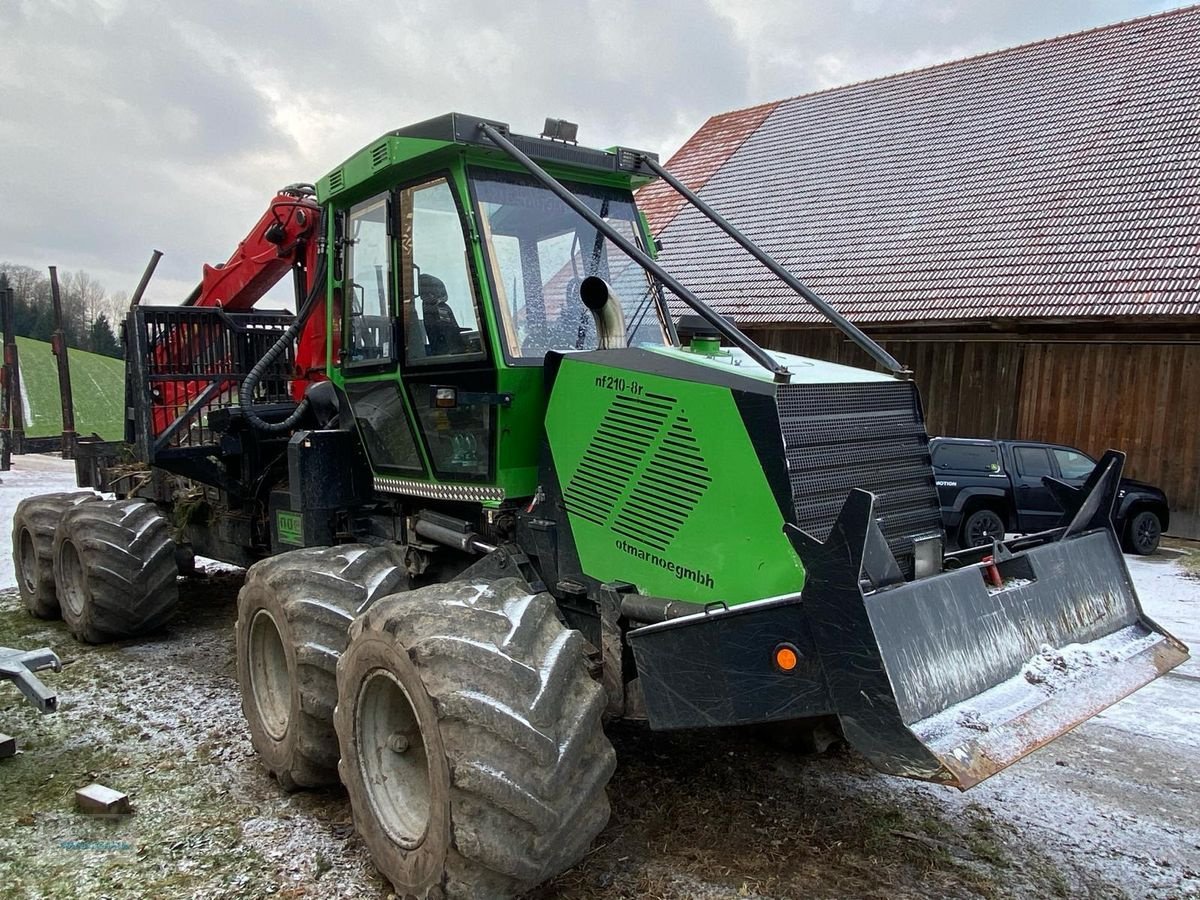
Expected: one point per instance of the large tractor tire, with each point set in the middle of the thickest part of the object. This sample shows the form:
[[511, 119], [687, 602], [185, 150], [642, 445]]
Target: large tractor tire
[[114, 569], [471, 740], [34, 524], [294, 615]]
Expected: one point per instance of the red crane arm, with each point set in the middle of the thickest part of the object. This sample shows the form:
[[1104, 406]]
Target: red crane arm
[[278, 240], [284, 239]]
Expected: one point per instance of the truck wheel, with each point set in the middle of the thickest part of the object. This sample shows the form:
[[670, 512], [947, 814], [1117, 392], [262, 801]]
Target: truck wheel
[[114, 569], [34, 524], [981, 528], [1143, 533], [294, 613], [471, 740]]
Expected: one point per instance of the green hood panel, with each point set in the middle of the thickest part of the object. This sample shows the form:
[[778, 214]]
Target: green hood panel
[[662, 485]]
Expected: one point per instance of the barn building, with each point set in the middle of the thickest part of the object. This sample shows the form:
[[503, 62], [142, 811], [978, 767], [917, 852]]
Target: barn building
[[1021, 229]]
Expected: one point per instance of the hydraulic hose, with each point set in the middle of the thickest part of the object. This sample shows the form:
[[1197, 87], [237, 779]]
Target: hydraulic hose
[[246, 394]]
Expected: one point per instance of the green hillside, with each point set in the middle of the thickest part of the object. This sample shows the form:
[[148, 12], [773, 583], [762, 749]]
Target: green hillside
[[97, 382]]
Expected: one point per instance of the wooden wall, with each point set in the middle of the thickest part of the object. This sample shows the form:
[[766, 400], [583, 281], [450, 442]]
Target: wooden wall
[[1137, 395]]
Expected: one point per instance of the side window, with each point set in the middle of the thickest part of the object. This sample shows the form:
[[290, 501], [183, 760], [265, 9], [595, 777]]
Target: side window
[[967, 457], [1073, 465], [1033, 462], [369, 330], [441, 318]]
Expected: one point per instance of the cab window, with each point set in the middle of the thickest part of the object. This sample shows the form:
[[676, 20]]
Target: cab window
[[369, 332], [1033, 461], [967, 457], [440, 313], [1073, 465]]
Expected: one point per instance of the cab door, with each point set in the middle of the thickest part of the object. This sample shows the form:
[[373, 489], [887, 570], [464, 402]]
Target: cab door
[[1037, 509], [447, 371], [369, 354]]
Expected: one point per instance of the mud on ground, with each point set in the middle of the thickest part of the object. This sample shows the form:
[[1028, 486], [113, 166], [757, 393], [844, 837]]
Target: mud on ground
[[714, 815]]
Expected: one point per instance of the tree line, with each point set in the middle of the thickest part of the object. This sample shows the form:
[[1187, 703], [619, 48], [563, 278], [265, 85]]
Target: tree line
[[89, 312]]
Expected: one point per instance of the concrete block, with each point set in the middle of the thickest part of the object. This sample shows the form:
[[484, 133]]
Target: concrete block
[[96, 799]]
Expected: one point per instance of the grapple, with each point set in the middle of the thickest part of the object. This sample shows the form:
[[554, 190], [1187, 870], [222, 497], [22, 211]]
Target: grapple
[[950, 677]]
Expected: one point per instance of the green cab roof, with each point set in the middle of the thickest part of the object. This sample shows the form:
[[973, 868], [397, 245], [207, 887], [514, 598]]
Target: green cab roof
[[406, 144]]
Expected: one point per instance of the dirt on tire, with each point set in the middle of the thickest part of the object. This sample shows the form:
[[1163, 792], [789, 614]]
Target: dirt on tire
[[115, 570], [307, 598], [511, 763], [34, 524]]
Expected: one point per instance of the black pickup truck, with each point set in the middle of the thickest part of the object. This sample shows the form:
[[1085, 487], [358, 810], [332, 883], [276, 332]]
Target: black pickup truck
[[989, 487]]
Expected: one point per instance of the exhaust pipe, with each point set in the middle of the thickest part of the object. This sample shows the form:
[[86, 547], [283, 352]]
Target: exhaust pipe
[[606, 310]]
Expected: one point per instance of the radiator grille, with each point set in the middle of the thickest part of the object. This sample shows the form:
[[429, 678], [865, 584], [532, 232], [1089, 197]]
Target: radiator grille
[[869, 436], [643, 472]]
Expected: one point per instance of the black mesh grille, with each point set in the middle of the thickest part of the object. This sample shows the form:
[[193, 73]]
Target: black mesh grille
[[643, 473], [869, 436]]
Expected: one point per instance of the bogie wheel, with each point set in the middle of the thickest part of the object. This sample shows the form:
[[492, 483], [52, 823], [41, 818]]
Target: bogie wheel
[[34, 524], [1143, 533], [472, 747], [114, 569], [981, 528], [294, 615]]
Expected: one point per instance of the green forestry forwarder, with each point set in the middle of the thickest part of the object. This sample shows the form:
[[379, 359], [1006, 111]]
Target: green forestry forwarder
[[489, 500]]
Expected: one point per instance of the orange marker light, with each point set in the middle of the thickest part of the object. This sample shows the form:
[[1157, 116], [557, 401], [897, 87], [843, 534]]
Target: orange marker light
[[786, 658]]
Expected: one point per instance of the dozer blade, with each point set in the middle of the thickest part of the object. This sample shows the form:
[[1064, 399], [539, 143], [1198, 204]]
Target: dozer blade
[[953, 677]]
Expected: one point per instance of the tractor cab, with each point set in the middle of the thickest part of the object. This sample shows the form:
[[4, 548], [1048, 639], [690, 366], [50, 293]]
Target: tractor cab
[[453, 276]]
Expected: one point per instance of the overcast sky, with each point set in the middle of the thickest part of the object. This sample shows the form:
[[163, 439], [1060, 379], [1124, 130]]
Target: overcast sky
[[128, 125]]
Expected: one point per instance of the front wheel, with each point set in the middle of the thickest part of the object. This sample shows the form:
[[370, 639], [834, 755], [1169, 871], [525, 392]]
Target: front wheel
[[1143, 533], [471, 740], [294, 616], [981, 528]]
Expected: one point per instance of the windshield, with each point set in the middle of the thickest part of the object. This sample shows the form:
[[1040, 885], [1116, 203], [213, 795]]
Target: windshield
[[539, 251]]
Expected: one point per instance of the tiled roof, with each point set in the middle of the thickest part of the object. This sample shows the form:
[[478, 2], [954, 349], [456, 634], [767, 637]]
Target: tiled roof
[[1056, 179], [695, 162]]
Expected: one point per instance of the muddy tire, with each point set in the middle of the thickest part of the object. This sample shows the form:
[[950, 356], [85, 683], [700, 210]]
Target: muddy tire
[[471, 741], [294, 615], [34, 524], [114, 569]]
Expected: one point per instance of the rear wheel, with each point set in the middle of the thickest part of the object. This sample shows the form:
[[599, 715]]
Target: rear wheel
[[1143, 533], [114, 569], [471, 740], [34, 524], [981, 528], [294, 613]]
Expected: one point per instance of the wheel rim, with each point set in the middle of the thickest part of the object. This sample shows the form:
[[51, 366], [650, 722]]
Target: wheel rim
[[29, 561], [74, 595], [392, 758], [270, 681], [984, 530], [1147, 532]]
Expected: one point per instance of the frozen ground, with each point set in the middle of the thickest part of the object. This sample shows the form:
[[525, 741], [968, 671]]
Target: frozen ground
[[1112, 809]]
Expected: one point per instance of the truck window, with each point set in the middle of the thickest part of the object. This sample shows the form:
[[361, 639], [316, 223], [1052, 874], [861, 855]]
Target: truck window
[[1032, 461], [967, 457], [1074, 465]]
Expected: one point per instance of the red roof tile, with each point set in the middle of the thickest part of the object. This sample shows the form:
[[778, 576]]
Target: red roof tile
[[1055, 179], [694, 163]]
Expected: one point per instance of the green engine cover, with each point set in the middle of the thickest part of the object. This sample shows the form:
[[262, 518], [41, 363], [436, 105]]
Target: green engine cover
[[662, 485]]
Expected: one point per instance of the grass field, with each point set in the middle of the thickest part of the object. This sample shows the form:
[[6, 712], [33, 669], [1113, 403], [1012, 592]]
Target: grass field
[[97, 382]]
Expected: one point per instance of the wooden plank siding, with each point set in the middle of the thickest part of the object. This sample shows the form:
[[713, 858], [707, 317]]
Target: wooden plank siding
[[1142, 397]]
